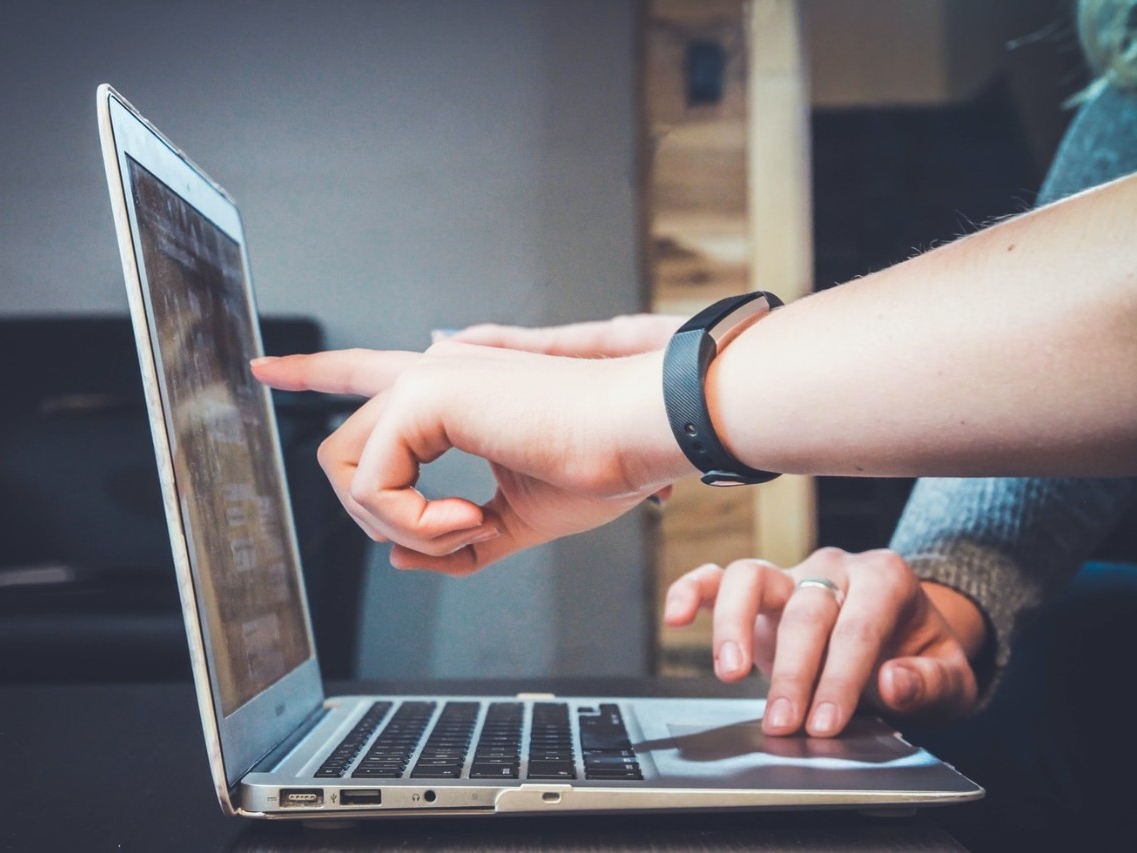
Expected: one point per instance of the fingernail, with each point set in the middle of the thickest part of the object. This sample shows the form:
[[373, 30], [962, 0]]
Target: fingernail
[[437, 335], [485, 536], [905, 685], [264, 359], [780, 714], [730, 658], [402, 564], [824, 718]]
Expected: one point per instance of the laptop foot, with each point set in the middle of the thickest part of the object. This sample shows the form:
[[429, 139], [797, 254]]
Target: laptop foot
[[331, 823]]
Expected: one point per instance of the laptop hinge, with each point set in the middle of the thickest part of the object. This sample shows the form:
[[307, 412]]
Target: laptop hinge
[[278, 753]]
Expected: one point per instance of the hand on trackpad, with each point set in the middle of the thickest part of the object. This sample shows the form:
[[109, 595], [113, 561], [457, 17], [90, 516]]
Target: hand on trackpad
[[862, 740]]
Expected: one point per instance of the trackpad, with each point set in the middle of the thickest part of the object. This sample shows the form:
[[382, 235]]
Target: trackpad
[[740, 753], [862, 741]]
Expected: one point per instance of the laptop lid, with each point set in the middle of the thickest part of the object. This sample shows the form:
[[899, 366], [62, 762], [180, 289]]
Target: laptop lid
[[219, 462]]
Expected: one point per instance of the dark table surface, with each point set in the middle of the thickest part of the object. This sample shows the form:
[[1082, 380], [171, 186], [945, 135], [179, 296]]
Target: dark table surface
[[123, 767]]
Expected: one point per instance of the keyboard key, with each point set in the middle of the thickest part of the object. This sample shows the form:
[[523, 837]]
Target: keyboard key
[[444, 754], [342, 756], [607, 749], [480, 770], [611, 773], [551, 752], [394, 746], [552, 770], [498, 752]]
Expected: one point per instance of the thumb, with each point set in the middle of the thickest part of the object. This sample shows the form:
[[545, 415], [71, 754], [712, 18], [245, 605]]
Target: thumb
[[937, 685]]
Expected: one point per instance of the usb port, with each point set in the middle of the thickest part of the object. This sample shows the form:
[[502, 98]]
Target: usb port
[[301, 797], [361, 796]]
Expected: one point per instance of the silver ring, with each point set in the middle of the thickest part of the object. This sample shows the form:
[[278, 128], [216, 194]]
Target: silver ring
[[825, 584]]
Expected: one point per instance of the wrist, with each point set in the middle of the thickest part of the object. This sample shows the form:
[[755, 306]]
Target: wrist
[[963, 616], [687, 360], [651, 457]]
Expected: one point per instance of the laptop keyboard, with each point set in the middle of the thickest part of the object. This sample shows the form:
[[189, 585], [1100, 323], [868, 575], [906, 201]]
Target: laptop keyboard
[[551, 749], [444, 753], [498, 753]]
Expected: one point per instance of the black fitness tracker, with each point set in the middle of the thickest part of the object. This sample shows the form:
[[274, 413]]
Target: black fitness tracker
[[689, 354]]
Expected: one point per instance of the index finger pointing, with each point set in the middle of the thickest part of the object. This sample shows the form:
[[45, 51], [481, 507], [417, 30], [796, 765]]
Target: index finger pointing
[[361, 372]]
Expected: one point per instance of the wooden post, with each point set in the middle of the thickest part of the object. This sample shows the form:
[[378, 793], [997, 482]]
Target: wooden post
[[726, 209], [779, 207]]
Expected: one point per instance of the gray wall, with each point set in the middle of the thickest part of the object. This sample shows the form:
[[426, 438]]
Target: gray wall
[[402, 165]]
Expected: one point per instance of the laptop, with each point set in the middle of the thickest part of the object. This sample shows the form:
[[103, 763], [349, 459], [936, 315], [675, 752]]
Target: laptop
[[278, 747]]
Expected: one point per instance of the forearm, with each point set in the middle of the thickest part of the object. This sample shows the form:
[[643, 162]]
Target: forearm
[[1010, 351]]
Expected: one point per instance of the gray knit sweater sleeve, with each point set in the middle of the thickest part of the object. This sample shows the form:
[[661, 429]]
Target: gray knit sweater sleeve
[[1008, 544]]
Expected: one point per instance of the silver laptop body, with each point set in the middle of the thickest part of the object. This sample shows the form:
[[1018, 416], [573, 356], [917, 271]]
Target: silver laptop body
[[277, 746]]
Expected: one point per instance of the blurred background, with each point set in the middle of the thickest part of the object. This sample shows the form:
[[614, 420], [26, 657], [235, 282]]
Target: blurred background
[[400, 166]]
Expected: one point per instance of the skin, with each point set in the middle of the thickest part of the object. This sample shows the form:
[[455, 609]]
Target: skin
[[905, 646], [1009, 352]]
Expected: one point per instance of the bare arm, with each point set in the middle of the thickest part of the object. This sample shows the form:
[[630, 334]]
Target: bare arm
[[1011, 351]]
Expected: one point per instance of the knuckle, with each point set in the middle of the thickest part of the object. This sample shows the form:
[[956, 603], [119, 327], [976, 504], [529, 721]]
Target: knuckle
[[750, 564], [326, 453], [445, 346], [894, 568], [740, 569], [706, 573], [830, 553], [359, 493]]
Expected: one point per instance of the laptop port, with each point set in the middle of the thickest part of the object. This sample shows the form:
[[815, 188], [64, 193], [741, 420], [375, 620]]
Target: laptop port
[[360, 796], [291, 798]]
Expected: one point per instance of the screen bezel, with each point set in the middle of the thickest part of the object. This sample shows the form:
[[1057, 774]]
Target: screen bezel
[[239, 740]]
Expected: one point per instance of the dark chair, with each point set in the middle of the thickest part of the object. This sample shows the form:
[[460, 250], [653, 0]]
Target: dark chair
[[87, 589]]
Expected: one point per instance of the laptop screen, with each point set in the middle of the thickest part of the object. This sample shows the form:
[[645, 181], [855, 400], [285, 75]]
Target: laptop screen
[[230, 492]]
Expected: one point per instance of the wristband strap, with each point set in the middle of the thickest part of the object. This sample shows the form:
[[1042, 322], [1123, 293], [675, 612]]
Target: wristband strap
[[685, 363]]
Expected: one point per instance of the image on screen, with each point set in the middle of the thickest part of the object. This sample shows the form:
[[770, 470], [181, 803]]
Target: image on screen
[[229, 486]]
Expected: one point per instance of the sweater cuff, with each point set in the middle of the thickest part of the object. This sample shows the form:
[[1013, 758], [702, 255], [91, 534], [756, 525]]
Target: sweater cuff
[[997, 586]]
